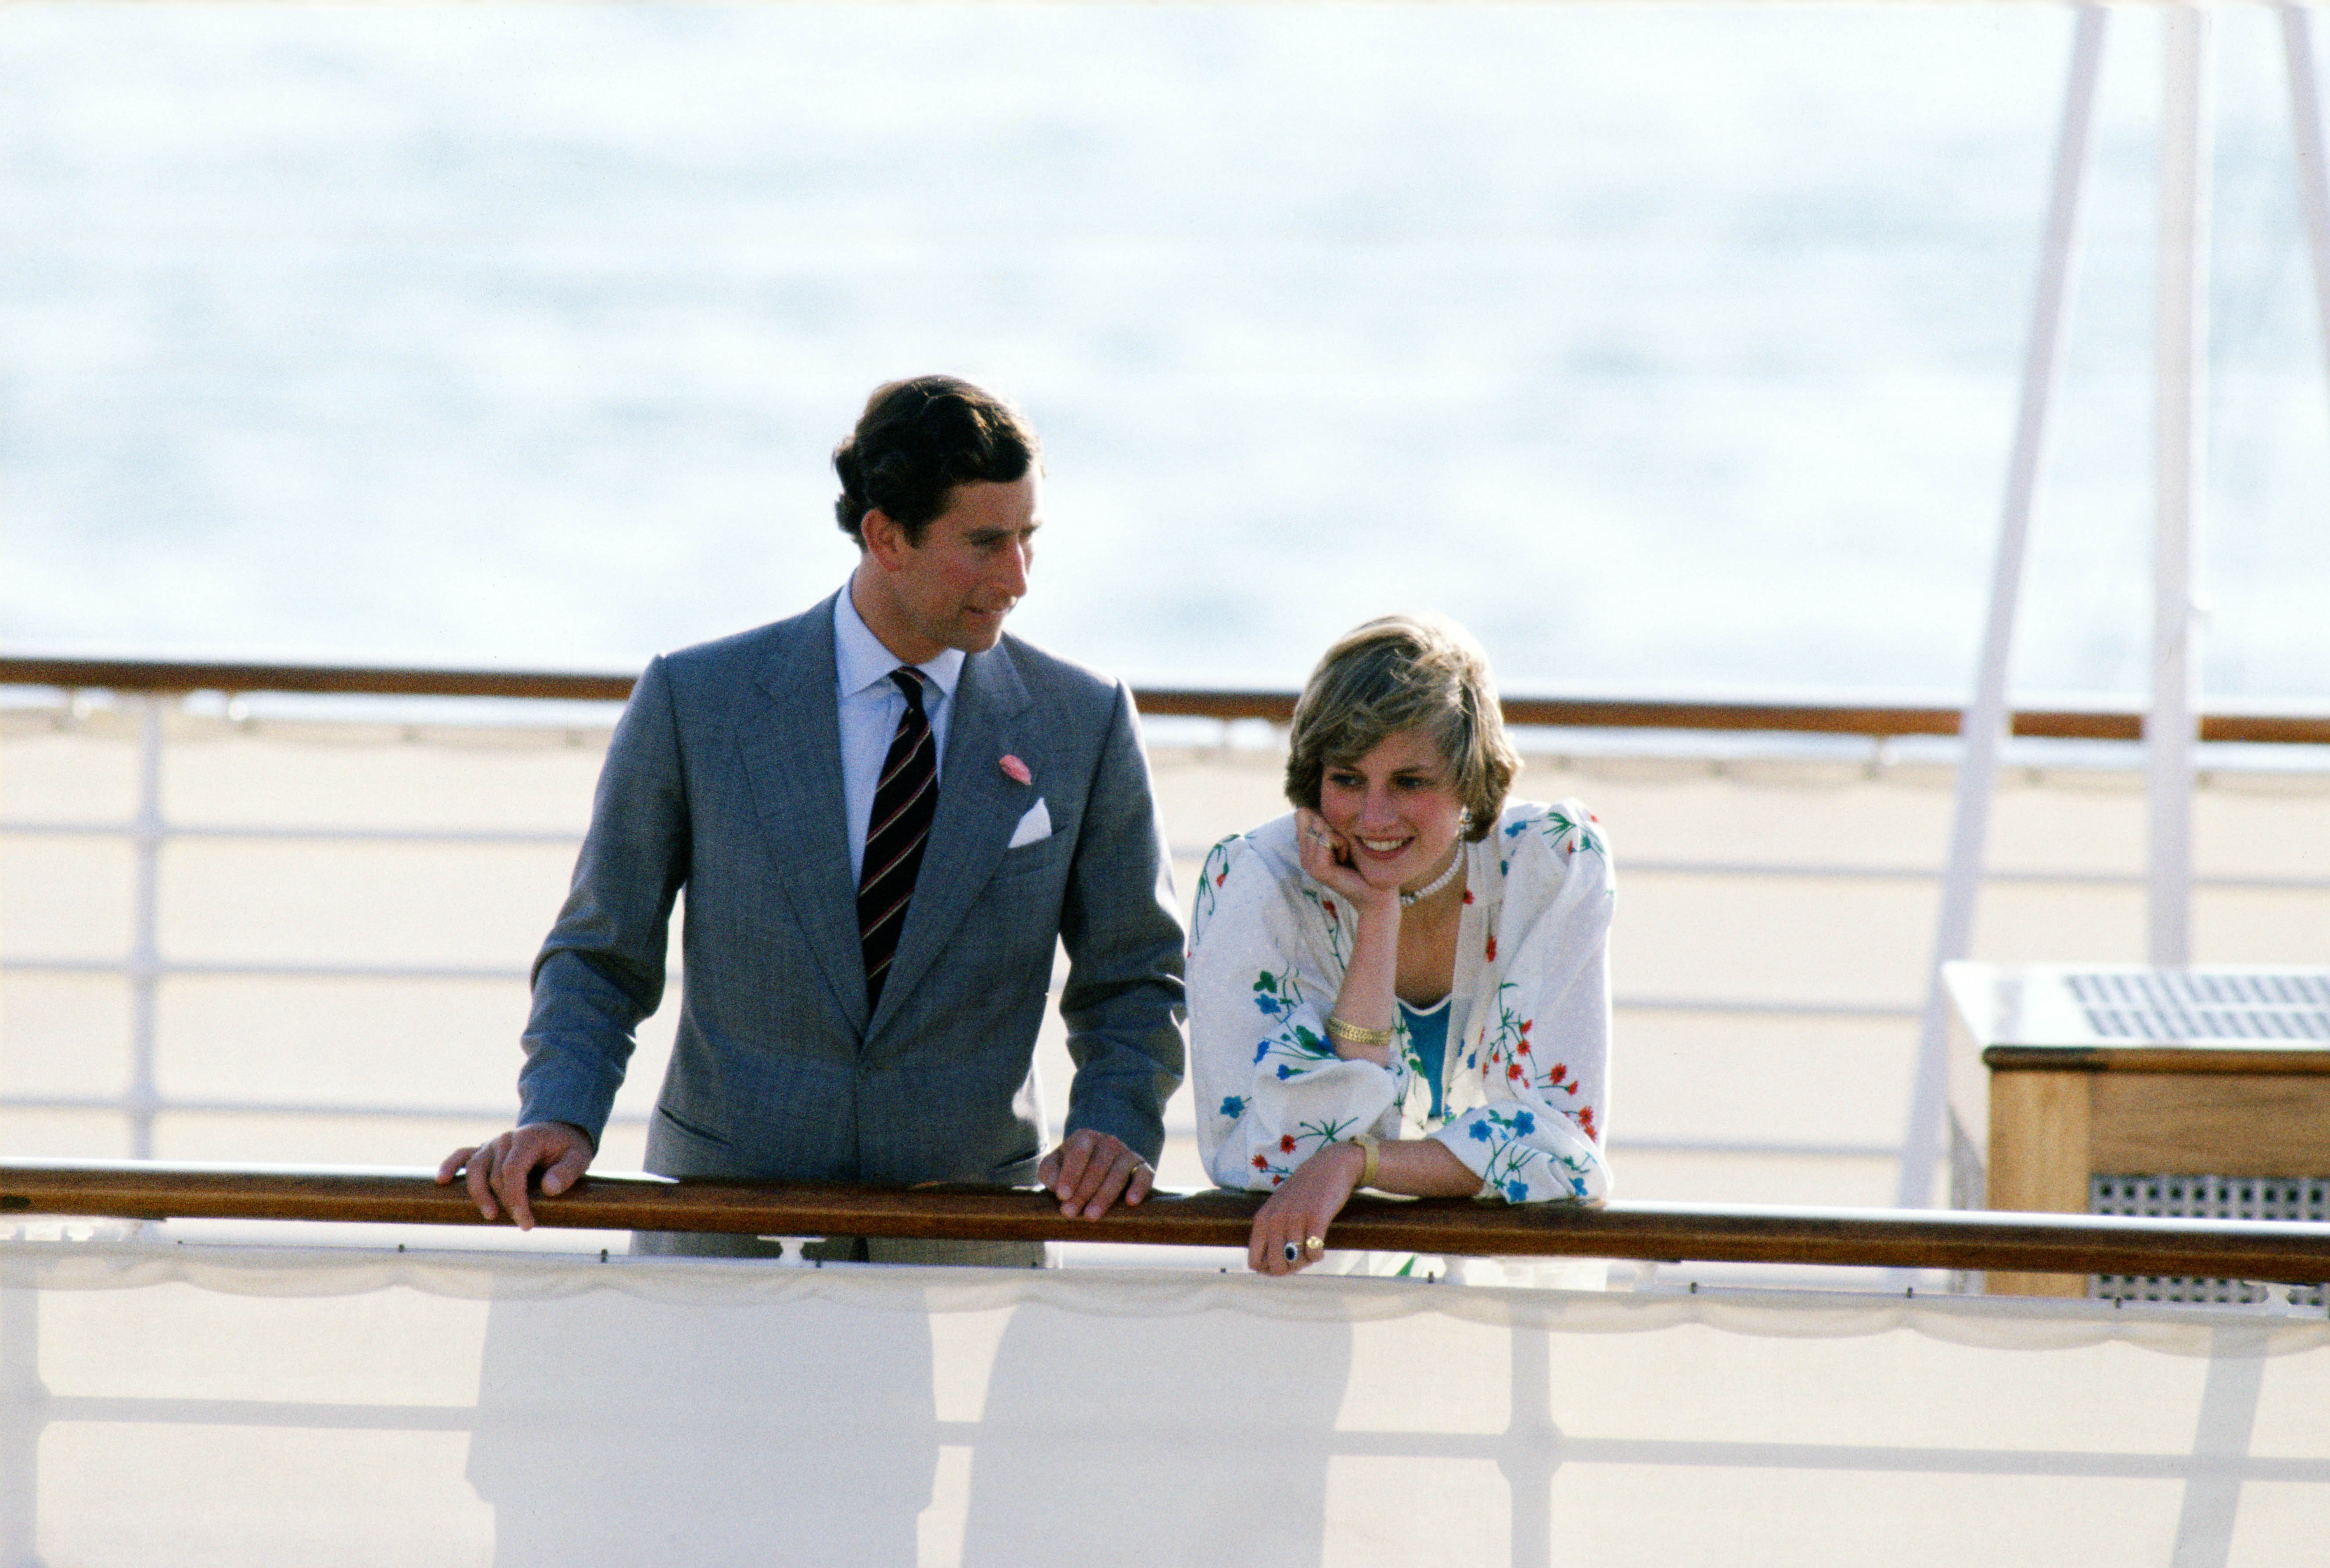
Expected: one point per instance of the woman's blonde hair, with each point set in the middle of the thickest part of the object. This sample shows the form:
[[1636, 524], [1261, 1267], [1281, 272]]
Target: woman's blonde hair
[[1399, 673]]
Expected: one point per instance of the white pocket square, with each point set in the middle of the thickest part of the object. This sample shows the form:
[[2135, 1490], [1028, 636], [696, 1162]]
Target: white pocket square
[[1034, 827]]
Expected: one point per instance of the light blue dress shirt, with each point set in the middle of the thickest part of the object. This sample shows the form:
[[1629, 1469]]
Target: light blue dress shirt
[[870, 705]]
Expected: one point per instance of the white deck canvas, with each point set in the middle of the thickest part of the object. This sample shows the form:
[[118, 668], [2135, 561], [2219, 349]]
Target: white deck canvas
[[247, 1406]]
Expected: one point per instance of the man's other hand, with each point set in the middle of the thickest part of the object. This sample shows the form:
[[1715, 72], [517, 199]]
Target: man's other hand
[[1091, 1170], [500, 1170]]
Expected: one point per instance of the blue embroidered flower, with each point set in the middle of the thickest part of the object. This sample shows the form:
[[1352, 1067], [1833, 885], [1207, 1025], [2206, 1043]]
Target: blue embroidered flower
[[1260, 1051], [1479, 1132], [1517, 1191], [1576, 1187], [1269, 1006], [1284, 1072], [1513, 830], [1524, 1124], [1232, 1106]]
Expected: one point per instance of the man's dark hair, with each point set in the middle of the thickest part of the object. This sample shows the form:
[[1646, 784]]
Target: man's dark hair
[[916, 441]]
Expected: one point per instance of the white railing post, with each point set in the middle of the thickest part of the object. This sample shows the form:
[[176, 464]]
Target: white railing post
[[1527, 1461], [1983, 728], [23, 1399], [2170, 729], [145, 969], [23, 1405]]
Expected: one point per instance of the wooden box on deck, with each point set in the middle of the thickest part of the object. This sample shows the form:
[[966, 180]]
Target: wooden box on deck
[[2044, 1117]]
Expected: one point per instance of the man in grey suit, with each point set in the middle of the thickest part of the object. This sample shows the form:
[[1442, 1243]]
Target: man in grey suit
[[886, 813]]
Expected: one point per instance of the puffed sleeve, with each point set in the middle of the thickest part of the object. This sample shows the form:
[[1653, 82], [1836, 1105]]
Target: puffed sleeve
[[1262, 973], [1541, 1036]]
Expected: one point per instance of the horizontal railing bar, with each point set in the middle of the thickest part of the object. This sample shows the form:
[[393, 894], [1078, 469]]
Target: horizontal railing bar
[[1634, 866], [226, 969], [320, 680], [1696, 1456], [1824, 872], [230, 969], [501, 1114], [557, 837], [166, 1105], [2285, 1251], [1554, 713], [2278, 1058], [1760, 1147], [1762, 1007], [28, 828]]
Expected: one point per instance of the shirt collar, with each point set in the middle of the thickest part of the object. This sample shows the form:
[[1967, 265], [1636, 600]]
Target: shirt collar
[[859, 660]]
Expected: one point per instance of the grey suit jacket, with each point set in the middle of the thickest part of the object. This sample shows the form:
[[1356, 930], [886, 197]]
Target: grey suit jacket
[[724, 778]]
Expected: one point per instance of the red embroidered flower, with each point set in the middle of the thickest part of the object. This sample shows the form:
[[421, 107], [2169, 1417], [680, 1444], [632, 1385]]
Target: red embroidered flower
[[1560, 1072], [1492, 949], [1276, 1179], [1468, 895], [1260, 1163], [1586, 1120], [1514, 1071], [1287, 1143], [1329, 905]]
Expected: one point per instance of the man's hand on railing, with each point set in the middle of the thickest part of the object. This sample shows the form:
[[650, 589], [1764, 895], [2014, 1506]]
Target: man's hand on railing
[[501, 1169], [1091, 1170]]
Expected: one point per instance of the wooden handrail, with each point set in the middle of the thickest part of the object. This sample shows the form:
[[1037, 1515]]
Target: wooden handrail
[[331, 680], [2289, 1252], [2236, 1061], [1557, 713]]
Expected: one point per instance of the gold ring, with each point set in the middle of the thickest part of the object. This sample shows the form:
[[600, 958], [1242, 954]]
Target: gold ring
[[1314, 1243]]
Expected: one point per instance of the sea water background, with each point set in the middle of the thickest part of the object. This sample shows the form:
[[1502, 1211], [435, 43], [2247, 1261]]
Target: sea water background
[[1671, 350]]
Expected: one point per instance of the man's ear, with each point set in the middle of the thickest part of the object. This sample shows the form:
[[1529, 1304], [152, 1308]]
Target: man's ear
[[884, 538]]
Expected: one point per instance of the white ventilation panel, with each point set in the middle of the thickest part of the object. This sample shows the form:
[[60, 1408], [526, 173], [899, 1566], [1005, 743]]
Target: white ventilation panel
[[2204, 1004], [2077, 1005]]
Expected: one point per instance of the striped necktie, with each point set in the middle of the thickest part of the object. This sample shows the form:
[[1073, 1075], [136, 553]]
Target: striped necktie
[[904, 801]]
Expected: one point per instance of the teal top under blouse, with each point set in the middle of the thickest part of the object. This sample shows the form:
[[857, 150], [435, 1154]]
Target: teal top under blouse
[[1427, 1034]]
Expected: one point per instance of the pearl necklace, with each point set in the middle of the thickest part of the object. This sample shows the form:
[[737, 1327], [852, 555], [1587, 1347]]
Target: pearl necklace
[[1455, 862]]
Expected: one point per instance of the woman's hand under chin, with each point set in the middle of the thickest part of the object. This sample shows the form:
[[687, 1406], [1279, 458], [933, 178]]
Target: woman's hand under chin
[[1327, 861], [1301, 1208]]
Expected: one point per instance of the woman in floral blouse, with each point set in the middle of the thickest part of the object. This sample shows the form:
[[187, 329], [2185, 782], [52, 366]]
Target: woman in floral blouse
[[1403, 984]]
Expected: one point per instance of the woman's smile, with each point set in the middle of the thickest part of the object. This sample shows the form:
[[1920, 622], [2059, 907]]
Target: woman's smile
[[1395, 809]]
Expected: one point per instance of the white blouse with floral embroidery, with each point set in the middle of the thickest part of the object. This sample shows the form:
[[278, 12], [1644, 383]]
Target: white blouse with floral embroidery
[[1525, 1087]]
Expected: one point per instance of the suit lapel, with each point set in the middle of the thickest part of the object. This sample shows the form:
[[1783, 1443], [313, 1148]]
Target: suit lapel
[[791, 744], [979, 805]]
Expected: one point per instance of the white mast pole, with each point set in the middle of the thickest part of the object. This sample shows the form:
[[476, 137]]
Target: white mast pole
[[2181, 429], [2313, 177], [1984, 726]]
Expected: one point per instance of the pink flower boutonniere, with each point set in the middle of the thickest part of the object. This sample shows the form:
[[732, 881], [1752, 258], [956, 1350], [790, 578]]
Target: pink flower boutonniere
[[1015, 769]]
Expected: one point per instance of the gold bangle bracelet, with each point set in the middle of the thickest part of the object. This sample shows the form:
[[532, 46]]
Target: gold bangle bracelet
[[1337, 1029], [1372, 1146]]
